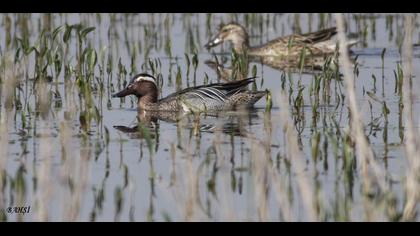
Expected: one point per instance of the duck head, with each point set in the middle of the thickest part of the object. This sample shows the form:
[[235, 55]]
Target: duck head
[[232, 32], [143, 86]]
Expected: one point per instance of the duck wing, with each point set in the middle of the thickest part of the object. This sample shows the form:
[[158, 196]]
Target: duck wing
[[318, 36], [301, 39], [212, 92]]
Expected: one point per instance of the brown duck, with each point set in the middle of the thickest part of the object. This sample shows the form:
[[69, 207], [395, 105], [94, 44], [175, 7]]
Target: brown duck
[[315, 43], [204, 98]]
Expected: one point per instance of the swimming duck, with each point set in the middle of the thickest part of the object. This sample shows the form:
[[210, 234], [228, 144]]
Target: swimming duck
[[316, 43], [211, 97]]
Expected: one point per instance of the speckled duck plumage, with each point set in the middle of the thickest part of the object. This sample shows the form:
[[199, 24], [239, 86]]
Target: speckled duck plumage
[[211, 97], [315, 43]]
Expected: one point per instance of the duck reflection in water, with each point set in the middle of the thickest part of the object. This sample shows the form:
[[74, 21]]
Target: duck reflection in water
[[319, 65], [230, 123]]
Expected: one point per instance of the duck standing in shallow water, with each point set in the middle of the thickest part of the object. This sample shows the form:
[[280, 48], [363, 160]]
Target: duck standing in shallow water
[[315, 43], [212, 97]]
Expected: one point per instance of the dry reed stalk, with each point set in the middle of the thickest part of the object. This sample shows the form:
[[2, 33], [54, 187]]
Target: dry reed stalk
[[280, 188], [364, 151], [266, 172], [183, 185], [67, 154], [43, 173], [191, 179], [80, 178], [11, 73], [75, 167], [81, 171], [260, 169], [66, 167], [4, 136], [174, 181], [189, 195], [226, 205], [296, 156], [74, 174], [6, 93], [186, 179], [411, 139]]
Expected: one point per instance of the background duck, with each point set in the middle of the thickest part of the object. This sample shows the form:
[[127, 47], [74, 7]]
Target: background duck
[[315, 43], [221, 71], [212, 97]]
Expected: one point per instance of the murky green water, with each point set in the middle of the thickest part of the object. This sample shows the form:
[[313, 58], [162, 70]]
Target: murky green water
[[69, 161]]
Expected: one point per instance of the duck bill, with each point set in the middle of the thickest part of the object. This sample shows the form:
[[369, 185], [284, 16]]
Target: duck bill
[[122, 93], [214, 42]]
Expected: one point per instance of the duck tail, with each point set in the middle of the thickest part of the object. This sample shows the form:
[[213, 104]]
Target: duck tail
[[238, 83], [259, 94], [255, 96], [236, 86], [322, 35], [332, 45]]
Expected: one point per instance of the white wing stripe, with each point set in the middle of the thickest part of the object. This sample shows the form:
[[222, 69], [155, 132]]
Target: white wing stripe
[[206, 94], [194, 93], [215, 92]]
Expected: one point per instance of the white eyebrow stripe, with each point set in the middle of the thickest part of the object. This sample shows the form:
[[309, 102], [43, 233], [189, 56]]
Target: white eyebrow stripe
[[143, 78]]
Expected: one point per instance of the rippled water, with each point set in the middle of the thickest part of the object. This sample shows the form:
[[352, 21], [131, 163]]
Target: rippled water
[[214, 168]]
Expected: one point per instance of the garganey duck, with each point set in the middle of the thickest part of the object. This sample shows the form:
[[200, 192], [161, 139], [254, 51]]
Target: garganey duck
[[315, 43], [211, 97]]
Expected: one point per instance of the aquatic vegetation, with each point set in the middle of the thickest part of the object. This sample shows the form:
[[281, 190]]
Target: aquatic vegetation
[[334, 140]]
